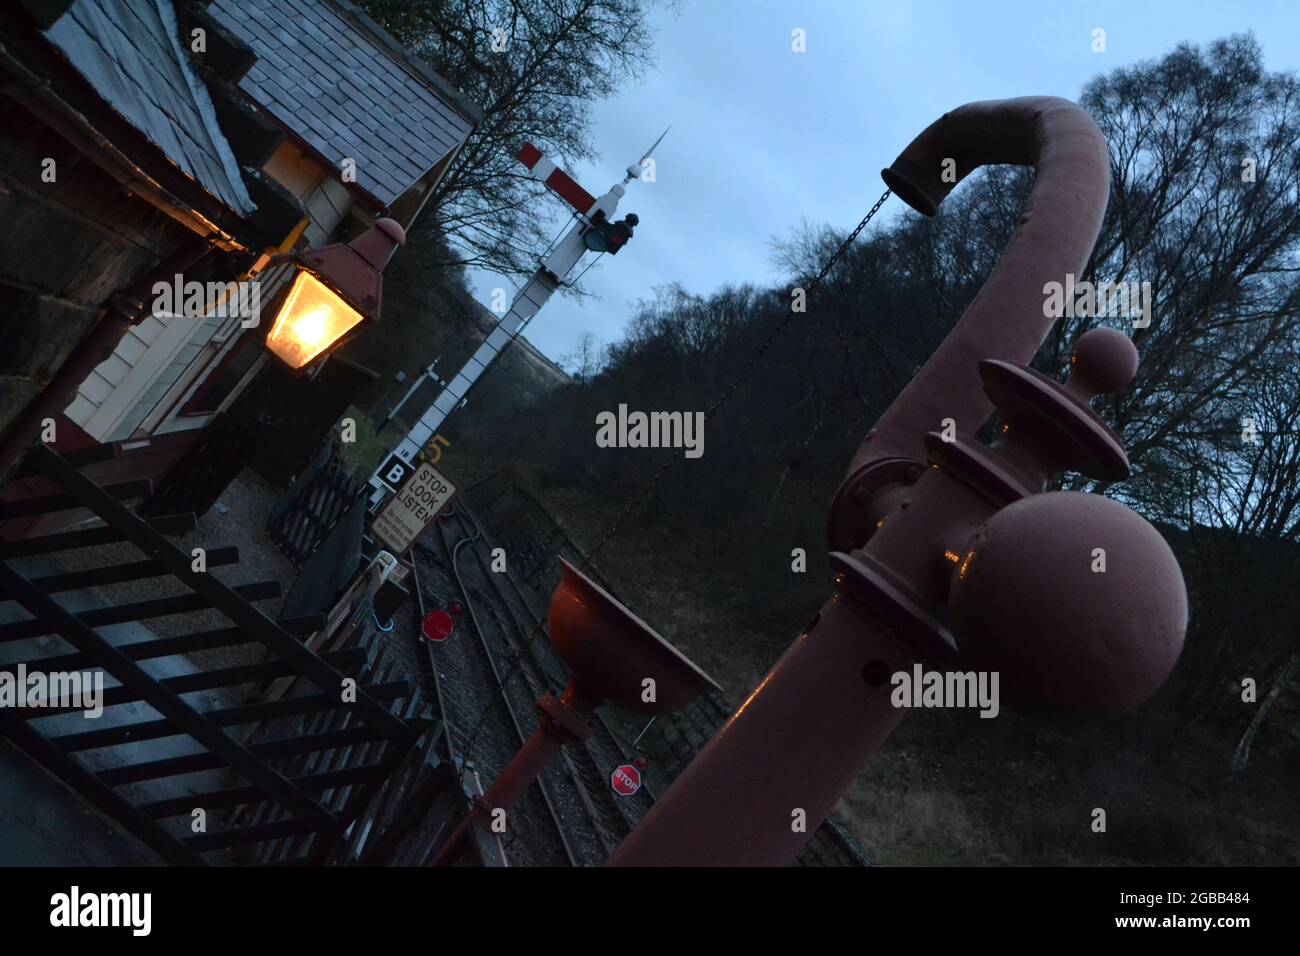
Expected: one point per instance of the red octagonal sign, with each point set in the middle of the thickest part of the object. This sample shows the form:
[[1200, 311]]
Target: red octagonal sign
[[626, 780], [438, 625]]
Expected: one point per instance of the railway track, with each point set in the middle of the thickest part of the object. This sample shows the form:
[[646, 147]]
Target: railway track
[[571, 816], [484, 725], [579, 777], [567, 817], [605, 750]]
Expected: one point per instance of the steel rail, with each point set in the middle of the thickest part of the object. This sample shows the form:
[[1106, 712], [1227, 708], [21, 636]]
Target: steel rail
[[586, 778], [452, 554], [597, 716], [426, 655]]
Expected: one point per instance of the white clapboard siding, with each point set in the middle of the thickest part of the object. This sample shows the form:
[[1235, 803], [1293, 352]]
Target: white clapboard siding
[[115, 387], [81, 409], [96, 388], [158, 411], [327, 203], [149, 329], [125, 391], [326, 206], [131, 348], [114, 369], [168, 377], [93, 392]]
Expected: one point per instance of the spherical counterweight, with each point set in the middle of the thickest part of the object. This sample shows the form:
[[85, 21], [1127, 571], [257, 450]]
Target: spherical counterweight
[[1075, 600], [1102, 361]]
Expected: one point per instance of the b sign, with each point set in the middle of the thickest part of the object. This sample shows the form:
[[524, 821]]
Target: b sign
[[395, 472], [409, 512]]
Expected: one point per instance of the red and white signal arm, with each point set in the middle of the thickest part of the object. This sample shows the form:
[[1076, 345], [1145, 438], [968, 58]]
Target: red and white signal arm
[[556, 179], [625, 780]]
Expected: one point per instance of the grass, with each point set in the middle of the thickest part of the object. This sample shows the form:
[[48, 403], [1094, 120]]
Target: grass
[[370, 449]]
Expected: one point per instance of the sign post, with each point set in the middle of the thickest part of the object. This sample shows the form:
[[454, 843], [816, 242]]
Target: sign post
[[438, 625]]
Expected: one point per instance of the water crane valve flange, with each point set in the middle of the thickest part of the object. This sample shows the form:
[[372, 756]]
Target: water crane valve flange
[[974, 567], [866, 497], [897, 605], [1048, 427]]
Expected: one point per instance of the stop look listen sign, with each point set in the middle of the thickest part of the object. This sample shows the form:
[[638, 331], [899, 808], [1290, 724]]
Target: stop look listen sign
[[416, 503]]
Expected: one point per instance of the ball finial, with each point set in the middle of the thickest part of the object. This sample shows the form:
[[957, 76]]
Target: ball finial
[[1102, 361], [1074, 600]]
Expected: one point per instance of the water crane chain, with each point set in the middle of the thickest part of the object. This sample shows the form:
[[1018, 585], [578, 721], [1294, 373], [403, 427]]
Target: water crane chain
[[839, 329], [516, 662]]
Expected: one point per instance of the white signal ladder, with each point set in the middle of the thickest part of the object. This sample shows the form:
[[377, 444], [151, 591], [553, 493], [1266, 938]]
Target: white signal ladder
[[528, 301]]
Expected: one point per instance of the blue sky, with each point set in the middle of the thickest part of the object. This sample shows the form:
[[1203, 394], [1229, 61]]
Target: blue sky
[[763, 137]]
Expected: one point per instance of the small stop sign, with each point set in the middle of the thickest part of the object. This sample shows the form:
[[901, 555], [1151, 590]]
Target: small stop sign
[[626, 780], [437, 625]]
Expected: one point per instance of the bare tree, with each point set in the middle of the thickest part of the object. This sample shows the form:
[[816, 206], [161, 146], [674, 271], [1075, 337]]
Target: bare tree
[[1206, 171], [535, 66], [585, 360]]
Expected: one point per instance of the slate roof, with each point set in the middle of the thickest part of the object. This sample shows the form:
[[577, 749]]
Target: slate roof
[[340, 88], [129, 51]]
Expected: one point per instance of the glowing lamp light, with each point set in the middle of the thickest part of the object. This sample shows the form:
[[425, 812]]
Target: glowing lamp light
[[337, 288], [312, 319]]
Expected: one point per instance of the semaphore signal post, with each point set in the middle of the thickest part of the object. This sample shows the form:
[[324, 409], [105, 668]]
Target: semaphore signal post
[[594, 230]]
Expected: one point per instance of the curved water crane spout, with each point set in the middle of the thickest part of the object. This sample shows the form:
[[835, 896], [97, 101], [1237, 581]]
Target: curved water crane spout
[[949, 560], [1054, 237]]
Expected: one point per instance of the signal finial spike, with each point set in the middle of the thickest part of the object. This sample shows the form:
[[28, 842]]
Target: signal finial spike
[[646, 154], [634, 171]]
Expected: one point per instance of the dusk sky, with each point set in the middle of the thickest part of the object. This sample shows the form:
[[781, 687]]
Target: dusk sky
[[763, 137]]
